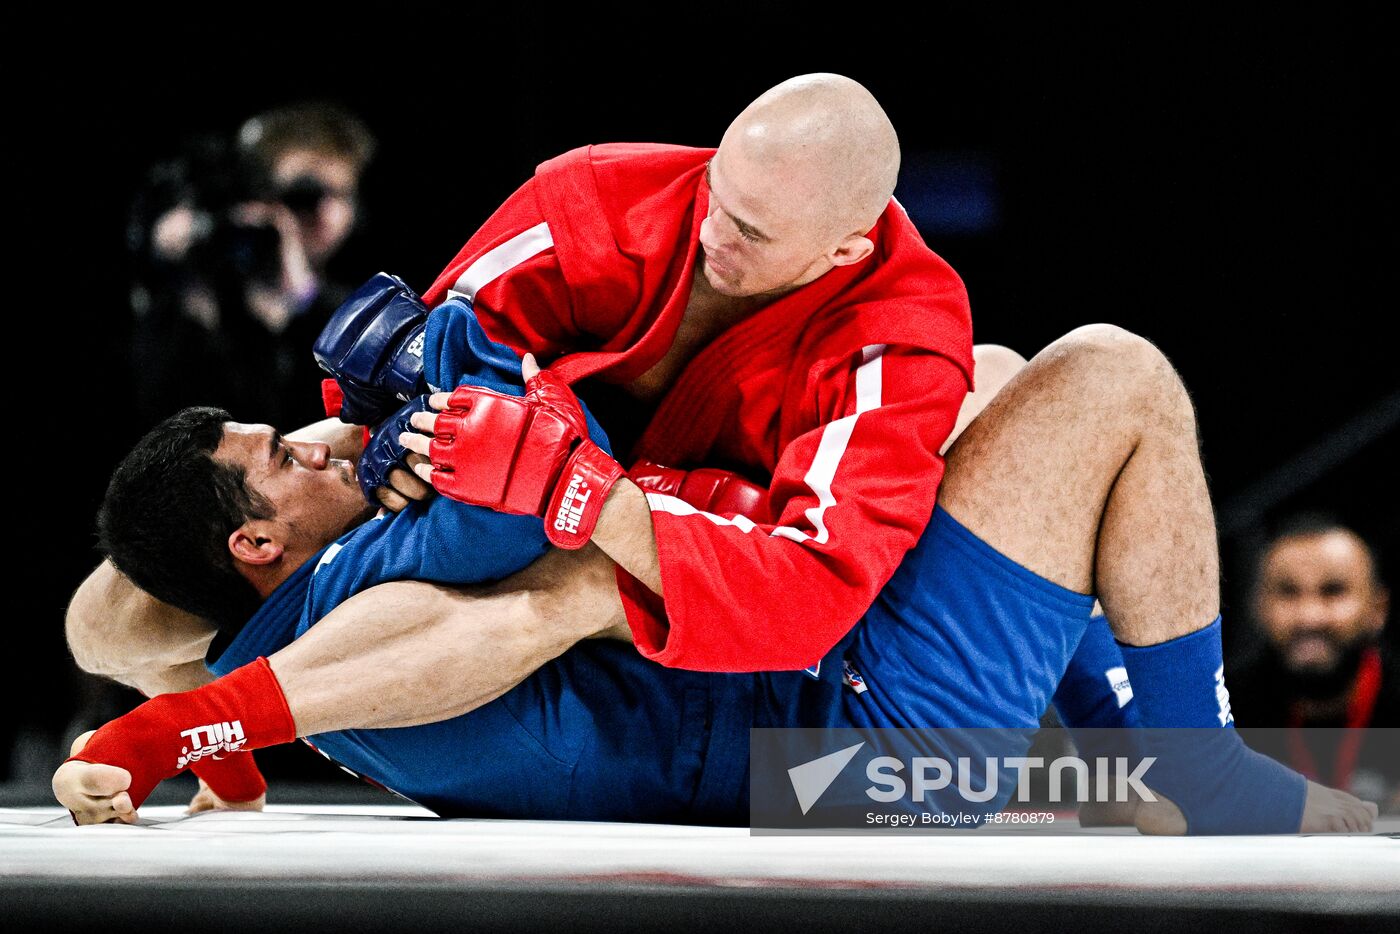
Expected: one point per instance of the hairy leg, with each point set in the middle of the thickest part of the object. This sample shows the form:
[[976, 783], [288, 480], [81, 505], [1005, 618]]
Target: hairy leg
[[1085, 468], [995, 366]]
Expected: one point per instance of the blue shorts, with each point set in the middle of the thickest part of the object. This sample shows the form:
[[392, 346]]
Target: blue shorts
[[961, 636]]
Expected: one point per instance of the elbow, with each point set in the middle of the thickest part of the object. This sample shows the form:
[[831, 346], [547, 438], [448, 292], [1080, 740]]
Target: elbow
[[79, 621]]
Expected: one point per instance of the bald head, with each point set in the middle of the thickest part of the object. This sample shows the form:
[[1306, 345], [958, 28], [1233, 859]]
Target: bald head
[[829, 142]]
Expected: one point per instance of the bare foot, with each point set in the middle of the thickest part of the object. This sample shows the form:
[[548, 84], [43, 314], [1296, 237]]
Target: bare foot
[[1108, 813], [1160, 818], [1326, 810]]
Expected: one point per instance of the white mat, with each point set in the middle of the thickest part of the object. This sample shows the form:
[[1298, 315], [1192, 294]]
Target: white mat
[[403, 842]]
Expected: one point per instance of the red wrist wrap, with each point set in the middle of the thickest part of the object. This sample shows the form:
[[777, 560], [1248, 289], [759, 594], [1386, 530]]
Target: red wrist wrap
[[233, 778], [579, 493], [245, 709]]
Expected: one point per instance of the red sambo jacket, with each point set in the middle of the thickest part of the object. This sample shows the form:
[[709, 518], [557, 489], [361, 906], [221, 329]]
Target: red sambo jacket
[[842, 392]]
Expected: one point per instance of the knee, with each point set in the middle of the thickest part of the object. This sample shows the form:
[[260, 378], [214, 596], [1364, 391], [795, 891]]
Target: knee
[[1112, 340], [1128, 364], [1118, 351]]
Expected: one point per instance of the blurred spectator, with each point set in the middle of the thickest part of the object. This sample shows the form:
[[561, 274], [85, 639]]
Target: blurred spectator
[[230, 246], [1321, 607]]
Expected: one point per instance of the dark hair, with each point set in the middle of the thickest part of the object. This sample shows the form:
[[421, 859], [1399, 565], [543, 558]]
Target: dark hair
[[324, 128], [1320, 522], [168, 513]]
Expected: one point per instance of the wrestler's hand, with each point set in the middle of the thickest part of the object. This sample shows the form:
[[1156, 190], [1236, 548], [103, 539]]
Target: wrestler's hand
[[244, 710], [528, 456], [404, 485], [206, 800], [93, 793], [385, 469]]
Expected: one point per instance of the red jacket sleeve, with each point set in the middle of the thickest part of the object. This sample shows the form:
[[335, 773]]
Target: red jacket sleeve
[[850, 497], [510, 272]]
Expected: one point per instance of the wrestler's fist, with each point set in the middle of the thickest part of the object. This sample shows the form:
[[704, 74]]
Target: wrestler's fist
[[93, 793], [528, 456], [385, 466], [373, 347]]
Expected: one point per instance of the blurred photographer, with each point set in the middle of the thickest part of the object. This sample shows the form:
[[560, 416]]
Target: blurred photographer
[[230, 245], [306, 162]]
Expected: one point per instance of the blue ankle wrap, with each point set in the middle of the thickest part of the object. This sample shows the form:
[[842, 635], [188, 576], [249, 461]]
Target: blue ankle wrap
[[1221, 785]]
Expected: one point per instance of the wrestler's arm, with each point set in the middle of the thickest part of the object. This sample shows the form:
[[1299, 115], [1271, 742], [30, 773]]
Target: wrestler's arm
[[405, 653], [845, 508], [117, 630], [399, 654]]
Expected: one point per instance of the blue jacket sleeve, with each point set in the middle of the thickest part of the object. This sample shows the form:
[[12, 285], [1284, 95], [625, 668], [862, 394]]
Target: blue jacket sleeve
[[456, 352]]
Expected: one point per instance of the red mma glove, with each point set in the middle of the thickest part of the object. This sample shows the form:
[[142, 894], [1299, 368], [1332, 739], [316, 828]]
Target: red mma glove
[[706, 488], [529, 456]]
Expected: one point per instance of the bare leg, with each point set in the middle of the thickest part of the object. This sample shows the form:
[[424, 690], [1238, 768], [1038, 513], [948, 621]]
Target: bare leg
[[1085, 469], [1071, 470], [995, 366]]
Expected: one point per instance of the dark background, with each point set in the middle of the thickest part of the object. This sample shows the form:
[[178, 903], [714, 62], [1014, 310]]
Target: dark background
[[1217, 186]]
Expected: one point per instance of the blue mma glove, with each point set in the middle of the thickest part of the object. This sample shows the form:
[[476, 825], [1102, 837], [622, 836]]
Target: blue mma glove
[[383, 453], [373, 347]]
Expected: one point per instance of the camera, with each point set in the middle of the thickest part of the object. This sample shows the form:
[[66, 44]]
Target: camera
[[189, 232]]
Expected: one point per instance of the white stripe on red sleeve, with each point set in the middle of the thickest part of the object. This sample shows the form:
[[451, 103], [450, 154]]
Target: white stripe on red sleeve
[[500, 260], [835, 437]]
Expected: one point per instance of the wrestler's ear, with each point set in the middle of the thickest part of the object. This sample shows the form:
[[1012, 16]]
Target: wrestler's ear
[[853, 249], [254, 542]]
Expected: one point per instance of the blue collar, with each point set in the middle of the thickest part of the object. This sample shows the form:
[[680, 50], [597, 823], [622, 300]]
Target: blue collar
[[272, 627]]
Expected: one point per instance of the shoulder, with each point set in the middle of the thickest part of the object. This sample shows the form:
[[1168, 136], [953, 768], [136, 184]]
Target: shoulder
[[913, 267], [628, 159], [620, 176], [114, 627], [903, 294]]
